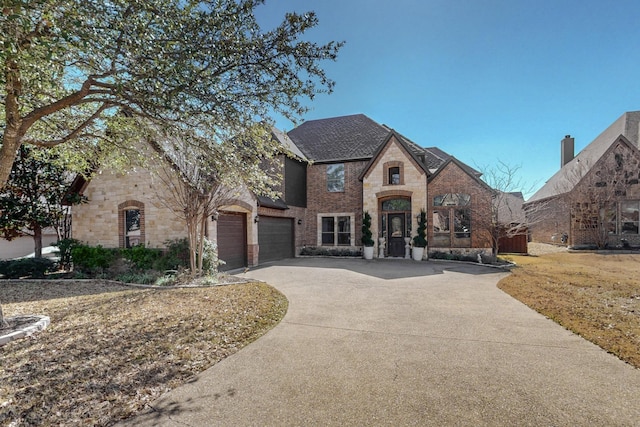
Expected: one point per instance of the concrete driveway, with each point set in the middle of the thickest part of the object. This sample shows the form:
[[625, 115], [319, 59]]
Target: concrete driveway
[[395, 342]]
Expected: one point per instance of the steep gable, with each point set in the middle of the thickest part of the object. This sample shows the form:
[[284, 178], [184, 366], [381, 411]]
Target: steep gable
[[394, 138], [626, 125]]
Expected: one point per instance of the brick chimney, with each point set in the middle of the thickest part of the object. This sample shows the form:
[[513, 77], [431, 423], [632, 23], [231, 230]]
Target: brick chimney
[[566, 150]]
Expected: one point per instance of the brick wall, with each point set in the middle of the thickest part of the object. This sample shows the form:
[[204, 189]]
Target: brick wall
[[453, 179], [320, 201]]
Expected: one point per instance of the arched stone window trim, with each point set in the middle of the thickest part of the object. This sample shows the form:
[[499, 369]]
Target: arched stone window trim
[[387, 170], [122, 211]]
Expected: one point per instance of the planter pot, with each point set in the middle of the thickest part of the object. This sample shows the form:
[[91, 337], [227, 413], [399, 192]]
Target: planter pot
[[417, 253], [368, 252]]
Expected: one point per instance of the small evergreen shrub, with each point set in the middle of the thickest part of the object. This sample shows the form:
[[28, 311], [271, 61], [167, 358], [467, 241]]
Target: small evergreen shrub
[[92, 259], [420, 240], [26, 267], [366, 230], [175, 257]]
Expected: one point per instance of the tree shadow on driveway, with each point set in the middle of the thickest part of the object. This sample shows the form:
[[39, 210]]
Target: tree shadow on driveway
[[387, 268]]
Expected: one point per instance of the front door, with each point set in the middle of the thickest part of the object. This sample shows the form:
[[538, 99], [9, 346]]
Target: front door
[[396, 235]]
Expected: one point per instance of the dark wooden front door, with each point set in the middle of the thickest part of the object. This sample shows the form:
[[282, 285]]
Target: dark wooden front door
[[396, 233]]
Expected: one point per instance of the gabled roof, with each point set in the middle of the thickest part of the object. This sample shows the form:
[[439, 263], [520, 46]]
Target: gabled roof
[[357, 137], [405, 144], [467, 169], [339, 138], [563, 181]]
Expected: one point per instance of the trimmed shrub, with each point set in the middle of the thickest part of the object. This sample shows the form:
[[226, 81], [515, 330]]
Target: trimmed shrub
[[338, 252], [140, 257], [26, 267], [66, 246], [92, 259]]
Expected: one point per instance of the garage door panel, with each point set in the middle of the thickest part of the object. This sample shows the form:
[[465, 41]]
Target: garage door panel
[[232, 240], [275, 237]]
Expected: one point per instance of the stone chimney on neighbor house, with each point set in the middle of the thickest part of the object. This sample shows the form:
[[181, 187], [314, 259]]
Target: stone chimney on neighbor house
[[566, 150]]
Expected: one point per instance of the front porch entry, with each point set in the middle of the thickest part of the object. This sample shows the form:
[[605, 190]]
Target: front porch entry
[[395, 223]]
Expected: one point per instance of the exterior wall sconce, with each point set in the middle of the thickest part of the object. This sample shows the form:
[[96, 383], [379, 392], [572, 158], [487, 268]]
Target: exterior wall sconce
[[215, 216], [256, 219], [300, 221]]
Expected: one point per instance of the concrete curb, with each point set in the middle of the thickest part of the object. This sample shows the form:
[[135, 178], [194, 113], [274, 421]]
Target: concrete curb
[[39, 323]]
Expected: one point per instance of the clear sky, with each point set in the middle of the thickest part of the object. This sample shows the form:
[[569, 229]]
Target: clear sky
[[484, 80]]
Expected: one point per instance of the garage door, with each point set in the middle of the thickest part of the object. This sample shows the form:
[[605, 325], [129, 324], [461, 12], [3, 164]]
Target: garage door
[[275, 237], [232, 240]]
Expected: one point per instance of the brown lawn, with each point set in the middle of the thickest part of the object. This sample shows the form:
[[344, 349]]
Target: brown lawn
[[596, 296], [110, 349]]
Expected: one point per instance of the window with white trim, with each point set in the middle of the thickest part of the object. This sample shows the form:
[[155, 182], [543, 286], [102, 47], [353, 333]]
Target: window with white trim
[[336, 229]]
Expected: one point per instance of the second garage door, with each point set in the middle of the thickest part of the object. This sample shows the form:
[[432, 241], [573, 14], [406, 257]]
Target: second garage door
[[232, 240], [275, 237]]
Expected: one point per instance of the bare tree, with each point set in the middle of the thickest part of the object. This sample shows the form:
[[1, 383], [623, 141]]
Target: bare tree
[[507, 218], [194, 190]]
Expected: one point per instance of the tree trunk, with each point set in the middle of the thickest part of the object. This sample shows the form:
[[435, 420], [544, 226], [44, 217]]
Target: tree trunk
[[10, 145], [37, 239]]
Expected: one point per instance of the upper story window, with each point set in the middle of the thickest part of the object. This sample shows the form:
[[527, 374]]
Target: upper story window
[[335, 178], [393, 173]]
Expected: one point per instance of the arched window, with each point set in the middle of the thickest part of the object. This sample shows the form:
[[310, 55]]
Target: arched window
[[131, 224]]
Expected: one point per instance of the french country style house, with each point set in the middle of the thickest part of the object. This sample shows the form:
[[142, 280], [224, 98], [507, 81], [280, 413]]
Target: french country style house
[[594, 199], [336, 169]]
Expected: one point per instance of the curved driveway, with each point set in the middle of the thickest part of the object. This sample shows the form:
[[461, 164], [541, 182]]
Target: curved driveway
[[395, 342]]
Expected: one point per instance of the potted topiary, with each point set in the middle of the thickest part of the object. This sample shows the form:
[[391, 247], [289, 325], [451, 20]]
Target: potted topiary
[[420, 239], [367, 241]]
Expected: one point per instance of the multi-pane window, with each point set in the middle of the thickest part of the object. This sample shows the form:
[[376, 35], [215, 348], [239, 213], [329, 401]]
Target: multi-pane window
[[629, 217], [328, 227], [452, 219], [336, 230], [462, 223], [335, 178], [441, 221]]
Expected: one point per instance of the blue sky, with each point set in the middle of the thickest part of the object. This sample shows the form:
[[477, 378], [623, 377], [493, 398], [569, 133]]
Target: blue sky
[[484, 80]]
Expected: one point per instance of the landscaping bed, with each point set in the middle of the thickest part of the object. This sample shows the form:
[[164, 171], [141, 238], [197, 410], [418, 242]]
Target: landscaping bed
[[110, 349], [594, 295]]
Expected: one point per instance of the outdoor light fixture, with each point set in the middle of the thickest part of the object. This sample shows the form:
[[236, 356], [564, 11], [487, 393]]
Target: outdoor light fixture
[[215, 216], [256, 219], [300, 221]]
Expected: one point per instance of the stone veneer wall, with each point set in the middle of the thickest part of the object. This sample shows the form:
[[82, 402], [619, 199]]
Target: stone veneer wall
[[96, 222], [413, 184]]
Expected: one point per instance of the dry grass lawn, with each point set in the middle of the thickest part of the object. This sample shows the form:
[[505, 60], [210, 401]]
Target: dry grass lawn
[[596, 296], [110, 349]]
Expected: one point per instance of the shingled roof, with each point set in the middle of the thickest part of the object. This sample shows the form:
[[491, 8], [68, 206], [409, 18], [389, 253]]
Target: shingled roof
[[339, 138], [355, 137], [627, 125]]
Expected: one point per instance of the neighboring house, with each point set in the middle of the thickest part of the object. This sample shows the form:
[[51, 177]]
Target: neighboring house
[[594, 199], [334, 170]]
